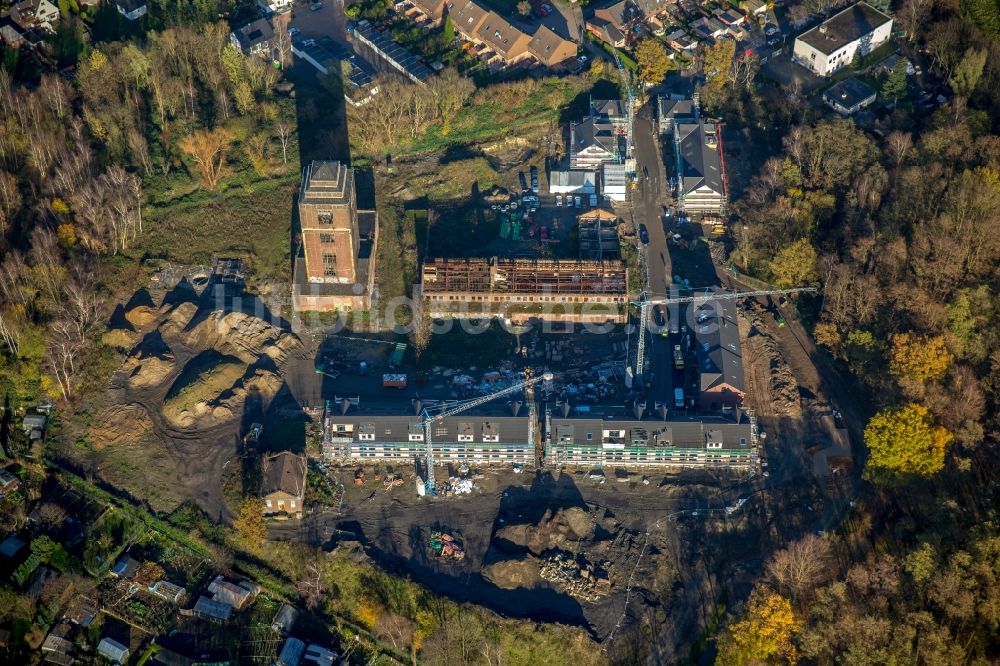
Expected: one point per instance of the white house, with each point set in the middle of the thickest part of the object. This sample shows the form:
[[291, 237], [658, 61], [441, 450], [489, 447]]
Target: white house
[[592, 143], [274, 6], [849, 96], [573, 182], [832, 44]]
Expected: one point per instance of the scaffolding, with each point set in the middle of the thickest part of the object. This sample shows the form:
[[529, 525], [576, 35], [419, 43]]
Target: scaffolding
[[525, 276]]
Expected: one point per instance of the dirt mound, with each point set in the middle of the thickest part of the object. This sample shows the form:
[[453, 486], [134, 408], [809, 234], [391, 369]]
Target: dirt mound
[[119, 424], [512, 574], [216, 394], [241, 335], [120, 339], [141, 316], [557, 529], [773, 388], [177, 318]]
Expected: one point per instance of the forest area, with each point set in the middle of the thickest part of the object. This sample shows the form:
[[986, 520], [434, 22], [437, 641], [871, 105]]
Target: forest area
[[901, 230], [180, 117]]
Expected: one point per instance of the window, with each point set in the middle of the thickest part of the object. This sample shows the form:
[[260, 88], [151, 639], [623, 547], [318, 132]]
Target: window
[[367, 436], [590, 436], [416, 438], [326, 238], [325, 217], [329, 265], [466, 438]]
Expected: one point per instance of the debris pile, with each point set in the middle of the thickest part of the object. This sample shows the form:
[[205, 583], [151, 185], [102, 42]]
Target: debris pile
[[446, 547], [581, 580], [458, 486]]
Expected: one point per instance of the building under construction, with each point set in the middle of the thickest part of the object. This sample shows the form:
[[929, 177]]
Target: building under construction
[[520, 289], [598, 436]]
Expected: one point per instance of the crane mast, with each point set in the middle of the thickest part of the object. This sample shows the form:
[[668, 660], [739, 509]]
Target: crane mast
[[451, 409]]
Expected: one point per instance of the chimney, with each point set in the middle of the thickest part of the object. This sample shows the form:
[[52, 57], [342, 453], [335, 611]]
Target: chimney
[[638, 408], [515, 406], [661, 407], [418, 406]]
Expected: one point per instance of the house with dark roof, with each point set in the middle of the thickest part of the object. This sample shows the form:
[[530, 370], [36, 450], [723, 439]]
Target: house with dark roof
[[592, 143], [284, 484], [606, 31], [699, 167], [610, 111], [720, 356], [849, 96], [674, 108], [254, 38], [832, 44]]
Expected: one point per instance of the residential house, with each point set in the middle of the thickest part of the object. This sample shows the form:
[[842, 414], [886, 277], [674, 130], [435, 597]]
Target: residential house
[[708, 27], [57, 649], [614, 112], [606, 31], [11, 546], [674, 108], [34, 424], [508, 44], [133, 10], [754, 7], [849, 96], [593, 143], [832, 45], [720, 357], [274, 6], [254, 38], [113, 651], [680, 41], [433, 10], [284, 485], [35, 14], [730, 17], [550, 49], [11, 33], [700, 167], [467, 16]]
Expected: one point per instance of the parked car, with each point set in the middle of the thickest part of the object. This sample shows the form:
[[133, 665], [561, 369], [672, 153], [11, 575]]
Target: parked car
[[293, 31], [559, 200], [643, 234], [316, 6]]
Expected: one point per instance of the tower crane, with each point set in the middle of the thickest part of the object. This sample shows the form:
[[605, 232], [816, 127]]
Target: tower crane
[[645, 300], [453, 408]]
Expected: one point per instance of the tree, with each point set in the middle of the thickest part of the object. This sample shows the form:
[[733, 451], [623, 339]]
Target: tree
[[912, 14], [450, 92], [208, 150], [653, 61], [764, 635], [895, 84], [903, 442], [798, 569], [249, 524], [919, 358], [524, 7], [967, 73], [795, 265], [285, 132]]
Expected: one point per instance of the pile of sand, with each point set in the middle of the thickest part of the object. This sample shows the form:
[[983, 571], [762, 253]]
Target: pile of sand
[[141, 316], [559, 529], [241, 335], [119, 424], [217, 396], [512, 574]]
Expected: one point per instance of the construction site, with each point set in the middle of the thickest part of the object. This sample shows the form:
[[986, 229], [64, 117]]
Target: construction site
[[519, 289]]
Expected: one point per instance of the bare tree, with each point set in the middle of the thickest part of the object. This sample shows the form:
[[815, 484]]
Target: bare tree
[[285, 132], [912, 14], [65, 347], [208, 150], [798, 569], [10, 200]]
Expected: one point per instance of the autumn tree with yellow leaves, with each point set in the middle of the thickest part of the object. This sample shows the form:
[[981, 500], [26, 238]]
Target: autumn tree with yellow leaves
[[249, 525], [919, 358], [904, 442], [764, 636], [208, 150]]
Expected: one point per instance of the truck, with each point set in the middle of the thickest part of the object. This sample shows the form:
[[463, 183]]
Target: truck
[[678, 398], [394, 380], [678, 357]]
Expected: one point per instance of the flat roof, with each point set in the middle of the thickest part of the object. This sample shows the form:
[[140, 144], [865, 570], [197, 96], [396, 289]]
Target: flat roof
[[845, 27], [849, 93]]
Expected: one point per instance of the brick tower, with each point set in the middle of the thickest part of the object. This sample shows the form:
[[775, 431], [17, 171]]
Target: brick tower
[[328, 217]]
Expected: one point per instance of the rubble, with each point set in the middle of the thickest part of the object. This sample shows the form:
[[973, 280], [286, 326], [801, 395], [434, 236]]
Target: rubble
[[579, 579]]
